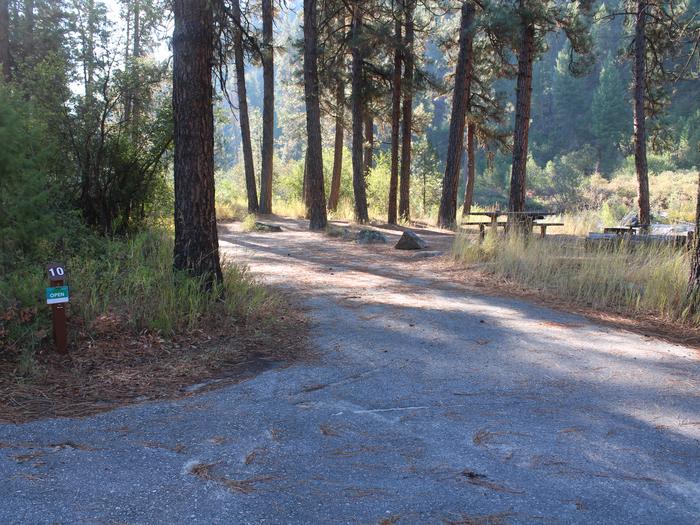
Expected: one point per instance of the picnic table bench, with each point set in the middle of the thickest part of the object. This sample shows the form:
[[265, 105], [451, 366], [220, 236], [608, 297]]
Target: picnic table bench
[[544, 225], [532, 219], [621, 230]]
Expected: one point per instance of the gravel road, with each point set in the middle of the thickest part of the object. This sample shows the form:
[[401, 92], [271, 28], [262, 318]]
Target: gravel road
[[424, 403]]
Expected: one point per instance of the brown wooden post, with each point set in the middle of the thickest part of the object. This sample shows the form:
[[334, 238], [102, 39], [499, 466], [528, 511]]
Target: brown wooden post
[[57, 274]]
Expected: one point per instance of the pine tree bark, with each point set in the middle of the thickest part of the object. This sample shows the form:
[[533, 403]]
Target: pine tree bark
[[358, 176], [395, 124], [640, 132], [268, 130], [369, 143], [243, 116], [522, 118], [337, 147], [470, 171], [447, 214], [407, 129], [317, 194], [196, 240], [5, 39]]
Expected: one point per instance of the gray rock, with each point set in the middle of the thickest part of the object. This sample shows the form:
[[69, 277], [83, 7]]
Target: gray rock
[[370, 237], [410, 241], [264, 227], [344, 233]]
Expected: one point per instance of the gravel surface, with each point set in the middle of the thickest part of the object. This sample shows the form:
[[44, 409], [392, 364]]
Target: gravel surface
[[425, 403]]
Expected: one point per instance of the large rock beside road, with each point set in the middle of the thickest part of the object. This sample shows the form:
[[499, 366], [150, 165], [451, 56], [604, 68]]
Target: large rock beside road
[[410, 241]]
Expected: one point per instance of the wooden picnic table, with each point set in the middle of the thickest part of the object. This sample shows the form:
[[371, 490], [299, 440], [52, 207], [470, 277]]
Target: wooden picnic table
[[532, 215], [621, 230], [530, 218]]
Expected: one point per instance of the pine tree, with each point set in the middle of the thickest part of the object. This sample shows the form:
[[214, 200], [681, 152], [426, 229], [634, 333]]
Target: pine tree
[[661, 32], [525, 26], [610, 114], [358, 110], [408, 88], [268, 144], [460, 100], [316, 201], [196, 238], [243, 117], [395, 115]]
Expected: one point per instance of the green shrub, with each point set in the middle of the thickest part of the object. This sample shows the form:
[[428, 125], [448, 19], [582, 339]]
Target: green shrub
[[35, 213]]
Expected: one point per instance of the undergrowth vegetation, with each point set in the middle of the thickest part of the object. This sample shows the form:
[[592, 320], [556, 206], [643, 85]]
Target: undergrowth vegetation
[[126, 278], [631, 279], [131, 285]]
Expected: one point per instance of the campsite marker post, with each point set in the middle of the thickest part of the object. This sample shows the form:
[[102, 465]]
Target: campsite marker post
[[57, 296]]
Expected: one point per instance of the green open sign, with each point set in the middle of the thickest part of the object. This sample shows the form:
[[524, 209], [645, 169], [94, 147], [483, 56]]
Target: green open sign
[[57, 294]]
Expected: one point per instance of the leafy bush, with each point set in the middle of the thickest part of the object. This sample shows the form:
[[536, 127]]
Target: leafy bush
[[35, 214]]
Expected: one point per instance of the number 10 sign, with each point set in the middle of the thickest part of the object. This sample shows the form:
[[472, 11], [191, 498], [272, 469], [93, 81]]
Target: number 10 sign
[[57, 293]]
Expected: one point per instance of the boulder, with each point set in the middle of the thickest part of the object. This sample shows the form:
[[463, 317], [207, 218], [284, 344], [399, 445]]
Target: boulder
[[410, 241], [264, 227], [370, 237]]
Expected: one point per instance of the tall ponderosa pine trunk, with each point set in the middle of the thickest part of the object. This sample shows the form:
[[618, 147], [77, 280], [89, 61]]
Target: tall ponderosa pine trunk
[[268, 123], [470, 171], [243, 117], [447, 214], [5, 39], [522, 117], [196, 241], [358, 176], [369, 143], [395, 123], [694, 282], [337, 146], [407, 129], [640, 132], [317, 195]]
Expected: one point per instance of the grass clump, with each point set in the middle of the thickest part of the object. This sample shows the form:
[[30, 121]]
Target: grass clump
[[650, 279], [248, 222], [131, 285]]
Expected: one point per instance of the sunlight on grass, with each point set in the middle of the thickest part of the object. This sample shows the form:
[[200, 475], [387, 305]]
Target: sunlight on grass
[[649, 279], [135, 279]]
